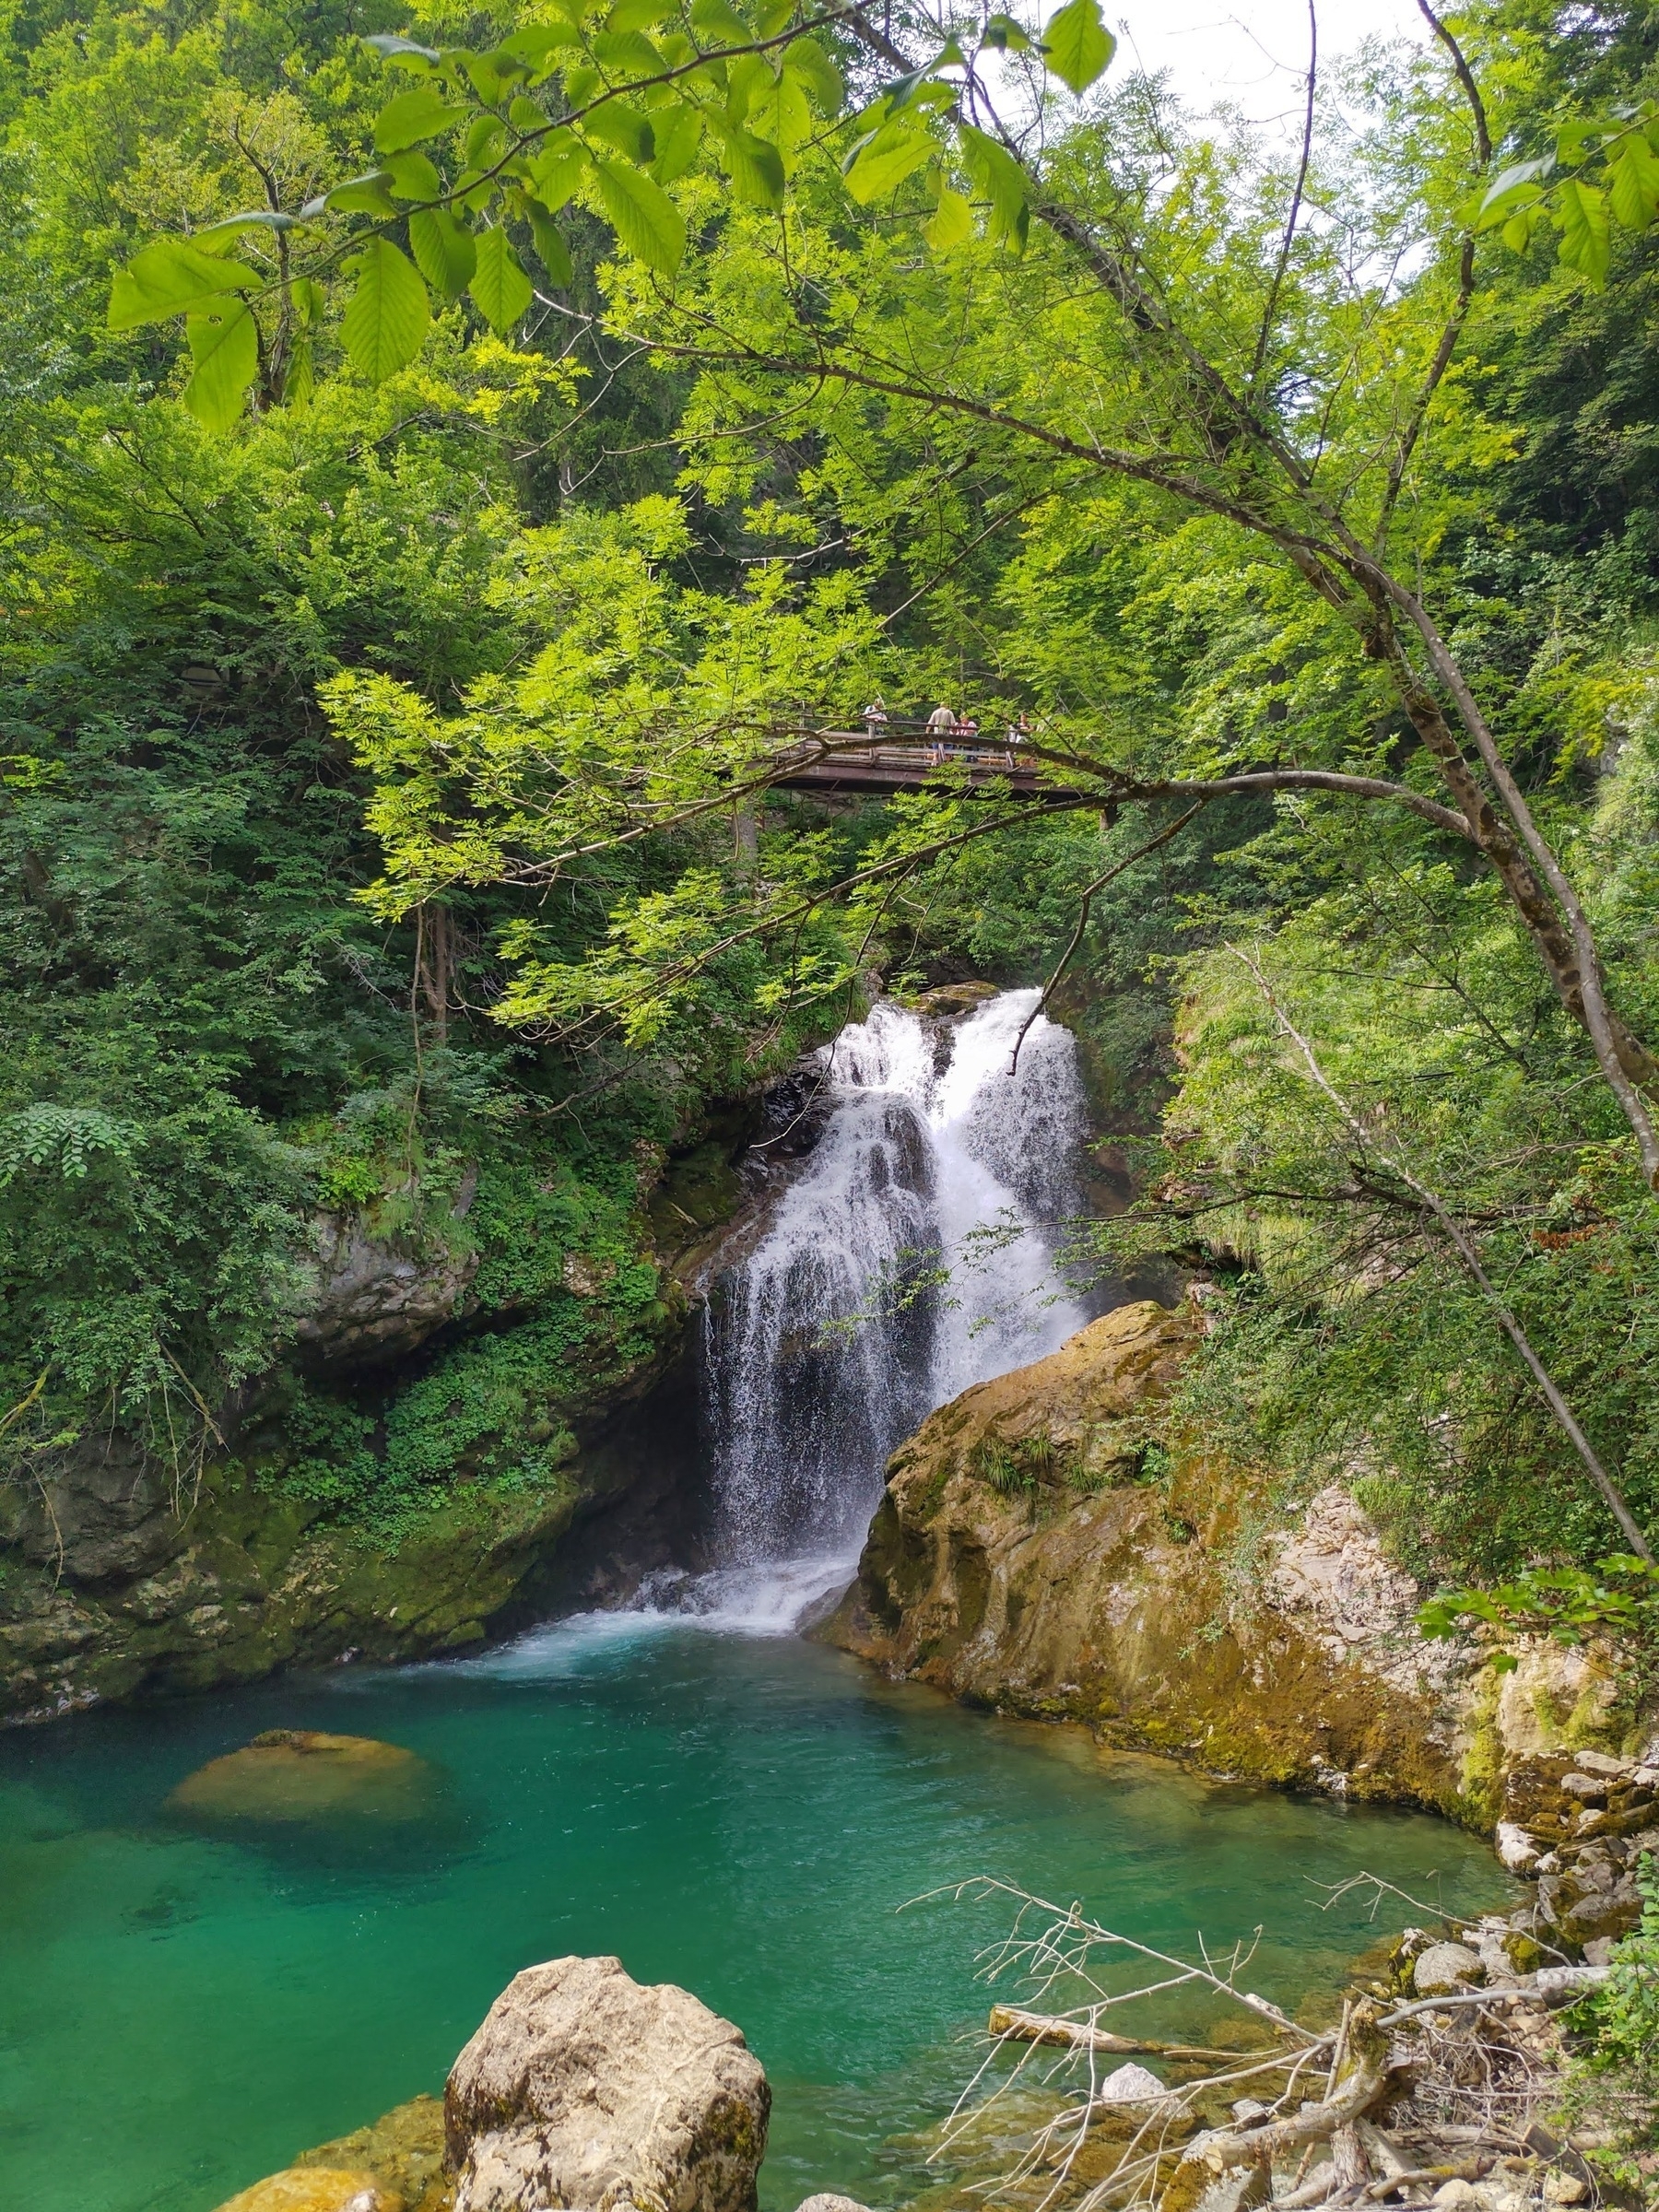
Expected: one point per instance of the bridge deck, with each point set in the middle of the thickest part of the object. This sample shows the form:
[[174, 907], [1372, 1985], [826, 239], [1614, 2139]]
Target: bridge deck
[[855, 764]]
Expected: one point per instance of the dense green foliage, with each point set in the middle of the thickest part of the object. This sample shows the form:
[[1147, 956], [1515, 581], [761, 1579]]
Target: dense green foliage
[[386, 775]]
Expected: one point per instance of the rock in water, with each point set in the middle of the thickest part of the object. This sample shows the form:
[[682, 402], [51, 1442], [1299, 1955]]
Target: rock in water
[[1131, 2085], [584, 2090], [315, 2189], [291, 1774], [1446, 1967]]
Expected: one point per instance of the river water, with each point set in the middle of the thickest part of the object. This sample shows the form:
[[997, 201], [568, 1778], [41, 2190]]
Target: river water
[[688, 1785]]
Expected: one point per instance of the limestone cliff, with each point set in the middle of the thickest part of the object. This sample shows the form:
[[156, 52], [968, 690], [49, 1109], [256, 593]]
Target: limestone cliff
[[1044, 1549]]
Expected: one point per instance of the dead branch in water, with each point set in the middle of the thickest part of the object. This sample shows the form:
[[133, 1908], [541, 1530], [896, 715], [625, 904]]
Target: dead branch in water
[[1473, 2069]]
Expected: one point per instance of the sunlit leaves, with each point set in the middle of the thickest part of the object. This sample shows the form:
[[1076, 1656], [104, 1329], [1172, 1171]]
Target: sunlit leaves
[[413, 117], [1582, 212], [882, 163], [646, 220], [173, 278], [554, 252], [753, 164], [677, 144], [1634, 192], [623, 126], [445, 250], [500, 288], [998, 179], [224, 349], [950, 223], [1076, 44], [806, 59], [387, 314], [558, 169]]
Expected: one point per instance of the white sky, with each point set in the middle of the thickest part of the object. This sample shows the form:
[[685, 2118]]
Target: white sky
[[1254, 56]]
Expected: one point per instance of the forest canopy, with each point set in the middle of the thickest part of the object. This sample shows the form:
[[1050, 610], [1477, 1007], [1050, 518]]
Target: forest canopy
[[454, 465]]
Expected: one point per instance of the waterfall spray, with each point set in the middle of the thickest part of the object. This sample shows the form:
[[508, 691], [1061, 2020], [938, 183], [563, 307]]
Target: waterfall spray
[[911, 1259]]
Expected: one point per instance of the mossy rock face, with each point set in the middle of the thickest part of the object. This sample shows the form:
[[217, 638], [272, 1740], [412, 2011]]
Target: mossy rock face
[[403, 2150], [1044, 1550], [301, 1775]]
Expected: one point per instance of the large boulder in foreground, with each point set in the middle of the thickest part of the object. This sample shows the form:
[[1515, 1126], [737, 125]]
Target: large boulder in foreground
[[583, 2088]]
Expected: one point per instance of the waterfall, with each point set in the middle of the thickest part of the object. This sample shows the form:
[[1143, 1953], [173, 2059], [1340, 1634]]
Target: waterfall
[[910, 1259]]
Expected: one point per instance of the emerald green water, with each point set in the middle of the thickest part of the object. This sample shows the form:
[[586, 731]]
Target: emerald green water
[[743, 1814]]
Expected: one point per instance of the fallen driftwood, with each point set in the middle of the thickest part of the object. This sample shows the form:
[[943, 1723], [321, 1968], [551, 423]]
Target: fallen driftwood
[[1219, 2150], [1012, 2025]]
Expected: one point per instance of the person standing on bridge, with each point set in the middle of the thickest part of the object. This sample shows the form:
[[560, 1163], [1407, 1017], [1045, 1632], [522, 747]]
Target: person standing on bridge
[[875, 716], [941, 724]]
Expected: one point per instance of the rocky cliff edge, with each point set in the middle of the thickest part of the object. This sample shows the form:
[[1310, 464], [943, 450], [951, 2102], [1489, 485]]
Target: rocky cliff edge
[[1045, 1549]]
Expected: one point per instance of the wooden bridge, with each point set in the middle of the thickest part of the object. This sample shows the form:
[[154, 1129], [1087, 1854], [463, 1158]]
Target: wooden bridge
[[848, 762]]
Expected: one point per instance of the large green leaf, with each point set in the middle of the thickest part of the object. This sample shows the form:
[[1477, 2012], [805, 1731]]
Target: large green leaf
[[358, 195], [445, 250], [807, 59], [387, 314], [895, 152], [718, 24], [1635, 183], [558, 169], [950, 223], [224, 347], [620, 124], [413, 117], [172, 278], [999, 177], [754, 165], [414, 177], [1076, 44], [678, 134], [500, 285], [645, 219], [1582, 212]]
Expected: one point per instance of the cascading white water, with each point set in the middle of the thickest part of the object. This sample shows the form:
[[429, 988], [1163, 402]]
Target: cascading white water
[[910, 1260]]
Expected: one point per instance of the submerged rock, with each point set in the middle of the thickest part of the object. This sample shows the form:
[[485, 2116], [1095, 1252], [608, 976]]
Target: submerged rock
[[316, 2189], [586, 2089], [303, 1774]]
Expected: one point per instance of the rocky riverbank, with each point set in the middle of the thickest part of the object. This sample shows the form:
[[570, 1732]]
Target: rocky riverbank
[[1044, 1548]]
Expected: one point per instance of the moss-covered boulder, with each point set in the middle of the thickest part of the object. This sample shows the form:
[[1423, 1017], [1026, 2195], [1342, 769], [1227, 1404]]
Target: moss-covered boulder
[[299, 1774]]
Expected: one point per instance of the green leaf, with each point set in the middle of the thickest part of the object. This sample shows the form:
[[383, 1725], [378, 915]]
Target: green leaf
[[387, 314], [301, 380], [1582, 212], [485, 141], [391, 47], [1635, 183], [807, 59], [445, 251], [951, 222], [636, 15], [678, 139], [753, 164], [644, 219], [500, 285], [224, 347], [717, 24], [1517, 233], [746, 78], [537, 41], [414, 177], [308, 300], [172, 278], [358, 195], [558, 169], [625, 53], [1007, 35], [617, 123], [412, 117], [554, 252], [999, 177], [216, 235], [1515, 183], [1076, 44], [895, 152]]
